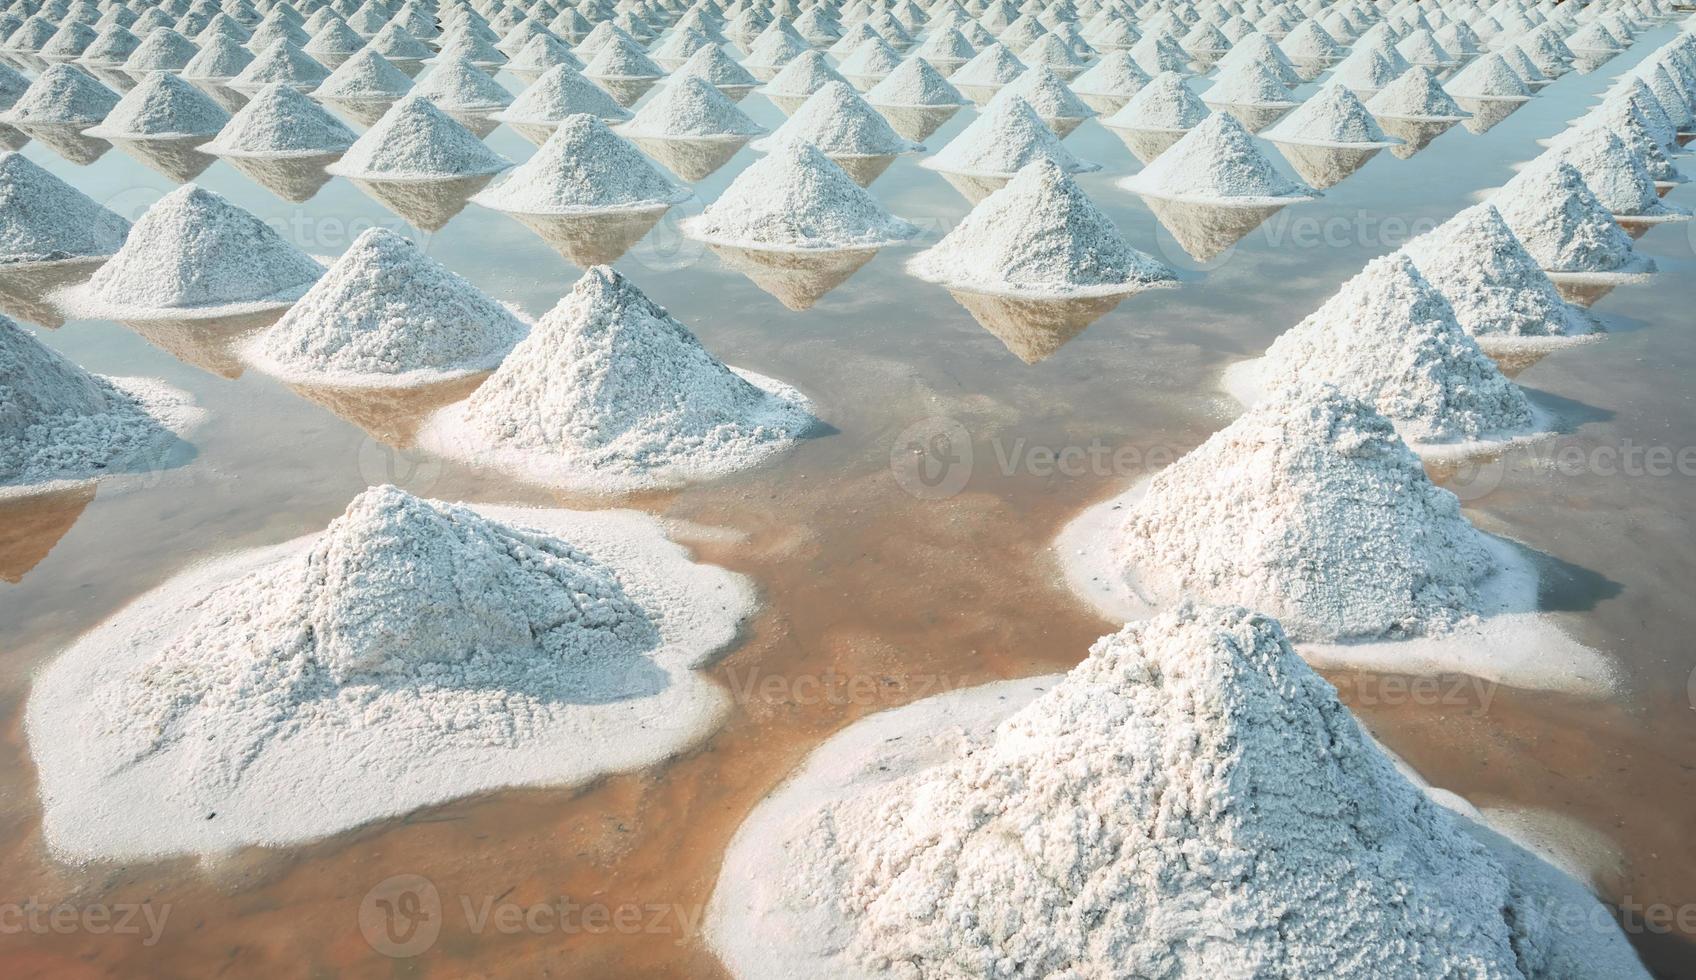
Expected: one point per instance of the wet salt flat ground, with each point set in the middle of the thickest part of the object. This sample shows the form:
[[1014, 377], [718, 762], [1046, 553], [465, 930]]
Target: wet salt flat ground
[[875, 590]]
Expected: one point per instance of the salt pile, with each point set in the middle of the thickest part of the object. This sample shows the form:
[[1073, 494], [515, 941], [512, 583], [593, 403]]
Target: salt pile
[[220, 60], [1115, 76], [1216, 163], [715, 67], [1331, 117], [946, 48], [583, 168], [1190, 801], [280, 123], [59, 422], [260, 699], [63, 95], [691, 108], [417, 141], [387, 314], [282, 62], [990, 68], [1628, 123], [1498, 293], [44, 219], [163, 106], [456, 85], [1250, 84], [622, 60], [871, 62], [610, 393], [161, 50], [1615, 174], [1416, 95], [1390, 338], [543, 52], [1565, 228], [1165, 104], [1005, 138], [914, 84], [395, 44], [1489, 77], [842, 124], [1039, 237], [194, 254], [334, 39], [472, 47], [112, 48], [1049, 97], [367, 77], [1365, 73], [797, 199], [560, 92], [12, 86], [801, 77]]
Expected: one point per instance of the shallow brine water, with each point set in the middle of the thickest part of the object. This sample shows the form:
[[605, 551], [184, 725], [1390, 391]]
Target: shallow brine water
[[903, 551]]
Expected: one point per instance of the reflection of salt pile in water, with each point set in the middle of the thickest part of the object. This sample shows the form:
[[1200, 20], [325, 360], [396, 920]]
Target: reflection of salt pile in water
[[797, 199], [417, 141], [194, 255], [584, 168], [63, 95], [611, 393], [1216, 163], [59, 422], [1192, 762], [260, 700], [44, 219], [1566, 229], [1329, 136], [280, 123], [387, 314], [1041, 237]]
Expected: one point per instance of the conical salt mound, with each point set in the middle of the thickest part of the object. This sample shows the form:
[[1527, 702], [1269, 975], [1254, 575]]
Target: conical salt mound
[[1309, 479], [1165, 103], [386, 313], [992, 67], [1564, 227], [609, 393], [1365, 72], [1489, 77], [280, 122], [44, 219], [112, 48], [62, 95], [1390, 338], [915, 84], [583, 168], [712, 65], [395, 44], [797, 199], [161, 50], [1005, 138], [1217, 162], [1250, 84], [1493, 283], [1046, 93], [1615, 174], [194, 254], [1116, 74], [365, 77], [542, 52], [841, 123], [1039, 236], [281, 62], [12, 86], [803, 76], [691, 108], [222, 59], [1416, 95], [1332, 116], [163, 106], [1190, 801], [457, 85], [417, 141], [622, 59], [59, 422], [561, 91]]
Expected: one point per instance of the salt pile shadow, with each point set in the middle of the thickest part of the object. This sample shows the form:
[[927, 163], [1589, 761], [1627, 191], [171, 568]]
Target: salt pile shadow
[[797, 279], [211, 344], [31, 526], [1204, 231], [1034, 328], [68, 141], [691, 159], [389, 415], [176, 157], [1415, 134], [1487, 113], [427, 205], [25, 288]]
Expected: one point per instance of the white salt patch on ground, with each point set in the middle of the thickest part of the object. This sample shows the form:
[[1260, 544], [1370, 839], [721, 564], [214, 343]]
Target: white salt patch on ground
[[561, 91], [415, 141], [841, 123], [1039, 236], [280, 123], [412, 654], [797, 199], [1005, 138], [1334, 117], [60, 423], [1217, 162], [194, 255], [45, 220], [691, 108], [609, 394], [584, 168], [385, 314]]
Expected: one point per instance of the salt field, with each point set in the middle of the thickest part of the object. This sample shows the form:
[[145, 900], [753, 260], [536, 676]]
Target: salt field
[[847, 488]]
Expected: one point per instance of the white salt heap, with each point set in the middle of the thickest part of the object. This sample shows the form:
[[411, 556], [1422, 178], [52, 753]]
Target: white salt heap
[[62, 95], [59, 422], [1115, 74], [412, 653], [1332, 116], [803, 76], [915, 84], [841, 123], [280, 123], [194, 254], [163, 106], [583, 168], [622, 60], [691, 108], [457, 85], [417, 141], [161, 50], [797, 199], [715, 67], [1217, 162], [365, 77], [1490, 77], [1191, 801], [281, 62], [1041, 237], [1250, 84], [1046, 93], [1416, 95], [222, 59], [395, 44], [44, 219], [1497, 291], [387, 314], [610, 393], [1615, 174], [992, 67], [1165, 103], [1390, 338], [1006, 137], [1564, 227]]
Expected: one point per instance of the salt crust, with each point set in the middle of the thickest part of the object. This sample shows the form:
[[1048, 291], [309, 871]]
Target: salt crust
[[415, 141], [1039, 236], [413, 653], [797, 199], [280, 123], [583, 168], [1217, 163], [44, 220], [611, 394], [1040, 826], [1001, 141], [387, 315]]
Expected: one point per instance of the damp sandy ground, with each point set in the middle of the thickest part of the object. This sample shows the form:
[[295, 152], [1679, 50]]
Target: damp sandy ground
[[873, 595]]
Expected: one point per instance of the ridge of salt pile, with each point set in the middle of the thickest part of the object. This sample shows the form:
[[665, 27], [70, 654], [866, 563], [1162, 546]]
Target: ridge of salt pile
[[611, 394], [365, 77], [583, 168], [840, 123], [915, 84], [561, 91], [1165, 104], [60, 423], [1004, 138], [502, 646], [62, 95], [1216, 163], [691, 108], [1331, 117], [797, 199], [415, 141], [45, 220], [1566, 228], [163, 106], [386, 314], [454, 84], [1614, 173], [1039, 237], [1192, 761], [1416, 95], [222, 59], [194, 255]]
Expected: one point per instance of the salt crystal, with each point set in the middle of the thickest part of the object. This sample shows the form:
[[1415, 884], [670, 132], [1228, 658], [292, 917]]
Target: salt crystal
[[622, 60], [1116, 74], [1612, 171]]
